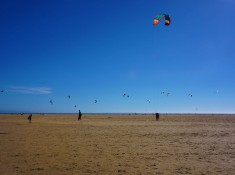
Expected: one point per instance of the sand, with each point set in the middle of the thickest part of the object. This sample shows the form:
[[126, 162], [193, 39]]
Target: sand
[[117, 144]]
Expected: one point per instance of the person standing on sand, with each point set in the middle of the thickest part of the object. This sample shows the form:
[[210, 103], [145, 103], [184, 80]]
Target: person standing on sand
[[79, 115], [157, 116], [30, 117]]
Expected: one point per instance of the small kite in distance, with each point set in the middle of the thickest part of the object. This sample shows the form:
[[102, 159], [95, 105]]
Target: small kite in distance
[[125, 95], [217, 91], [159, 17], [69, 96], [165, 93], [51, 102], [2, 90], [96, 101], [190, 95]]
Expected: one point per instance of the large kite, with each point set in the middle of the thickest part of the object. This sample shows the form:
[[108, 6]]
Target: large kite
[[159, 17]]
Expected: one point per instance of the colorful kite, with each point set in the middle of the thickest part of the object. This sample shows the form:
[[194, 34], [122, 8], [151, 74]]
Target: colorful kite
[[159, 17]]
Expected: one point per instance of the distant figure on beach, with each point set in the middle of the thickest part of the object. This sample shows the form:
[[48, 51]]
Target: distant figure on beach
[[79, 115], [29, 118], [157, 116]]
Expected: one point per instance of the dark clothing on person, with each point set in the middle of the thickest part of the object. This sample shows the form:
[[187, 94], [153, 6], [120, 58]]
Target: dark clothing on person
[[79, 115], [157, 116], [29, 118]]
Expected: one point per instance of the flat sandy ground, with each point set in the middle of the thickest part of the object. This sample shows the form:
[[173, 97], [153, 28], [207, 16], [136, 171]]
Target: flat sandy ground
[[117, 144]]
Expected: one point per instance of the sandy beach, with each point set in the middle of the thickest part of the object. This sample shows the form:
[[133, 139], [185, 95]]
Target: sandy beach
[[117, 144]]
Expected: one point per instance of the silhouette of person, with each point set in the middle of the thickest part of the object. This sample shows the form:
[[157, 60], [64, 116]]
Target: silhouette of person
[[79, 115], [157, 116], [30, 117]]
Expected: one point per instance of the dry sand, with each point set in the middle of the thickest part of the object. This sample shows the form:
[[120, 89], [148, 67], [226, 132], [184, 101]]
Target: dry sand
[[117, 144]]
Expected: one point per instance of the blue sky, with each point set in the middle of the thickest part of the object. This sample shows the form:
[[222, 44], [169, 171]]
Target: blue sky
[[99, 50]]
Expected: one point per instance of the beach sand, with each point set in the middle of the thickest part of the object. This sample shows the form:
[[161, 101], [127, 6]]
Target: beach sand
[[117, 144]]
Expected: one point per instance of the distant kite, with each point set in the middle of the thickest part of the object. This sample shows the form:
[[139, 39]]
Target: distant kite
[[159, 17], [51, 102], [2, 90], [148, 101], [165, 93], [96, 101], [217, 91], [190, 95], [68, 96], [126, 95], [75, 106]]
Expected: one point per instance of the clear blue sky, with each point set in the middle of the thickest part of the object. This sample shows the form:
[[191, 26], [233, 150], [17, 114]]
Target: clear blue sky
[[99, 50]]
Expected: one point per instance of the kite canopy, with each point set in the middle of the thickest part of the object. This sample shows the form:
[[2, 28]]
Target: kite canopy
[[159, 17]]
